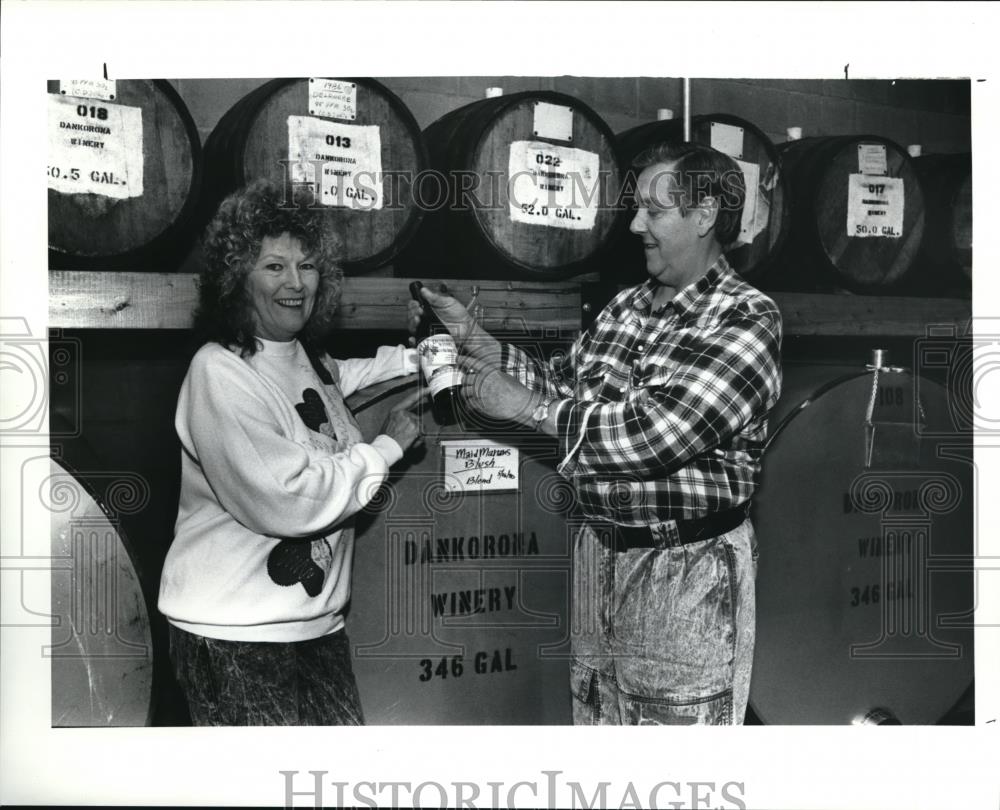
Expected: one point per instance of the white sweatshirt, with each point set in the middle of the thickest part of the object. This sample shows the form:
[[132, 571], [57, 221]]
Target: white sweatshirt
[[263, 542]]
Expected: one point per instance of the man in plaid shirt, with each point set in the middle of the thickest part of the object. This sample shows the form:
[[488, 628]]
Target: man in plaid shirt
[[660, 410]]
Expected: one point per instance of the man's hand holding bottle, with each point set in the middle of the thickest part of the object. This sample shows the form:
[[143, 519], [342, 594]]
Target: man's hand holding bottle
[[485, 388]]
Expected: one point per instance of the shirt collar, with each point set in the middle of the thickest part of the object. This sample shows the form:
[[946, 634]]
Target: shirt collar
[[689, 298], [276, 348]]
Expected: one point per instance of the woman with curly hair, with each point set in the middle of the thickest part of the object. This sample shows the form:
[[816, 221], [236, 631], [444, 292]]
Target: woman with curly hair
[[273, 468]]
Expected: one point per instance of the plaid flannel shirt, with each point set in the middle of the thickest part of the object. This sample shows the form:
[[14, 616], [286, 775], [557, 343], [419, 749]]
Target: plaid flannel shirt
[[663, 415]]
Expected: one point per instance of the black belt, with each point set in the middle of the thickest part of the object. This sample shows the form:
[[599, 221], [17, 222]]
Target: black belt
[[687, 531]]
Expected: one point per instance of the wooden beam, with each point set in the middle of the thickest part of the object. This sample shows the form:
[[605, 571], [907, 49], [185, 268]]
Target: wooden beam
[[129, 300], [123, 300]]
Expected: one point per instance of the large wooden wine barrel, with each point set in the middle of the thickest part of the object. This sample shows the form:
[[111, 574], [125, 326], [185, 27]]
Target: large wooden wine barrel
[[865, 582], [765, 219], [102, 649], [351, 143], [124, 174], [857, 216], [524, 186], [459, 612], [946, 256]]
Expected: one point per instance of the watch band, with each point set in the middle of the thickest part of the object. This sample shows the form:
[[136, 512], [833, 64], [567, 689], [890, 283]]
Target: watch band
[[541, 413]]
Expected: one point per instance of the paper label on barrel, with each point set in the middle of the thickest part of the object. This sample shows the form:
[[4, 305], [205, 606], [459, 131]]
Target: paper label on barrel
[[727, 139], [558, 186], [333, 98], [94, 147], [872, 158], [102, 89], [480, 466], [875, 206], [750, 225], [347, 159]]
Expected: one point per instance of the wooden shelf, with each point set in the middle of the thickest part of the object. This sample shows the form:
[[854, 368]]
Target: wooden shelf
[[132, 300], [129, 300], [869, 315]]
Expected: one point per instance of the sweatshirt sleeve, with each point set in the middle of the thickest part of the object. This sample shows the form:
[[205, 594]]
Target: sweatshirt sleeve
[[227, 420], [389, 362]]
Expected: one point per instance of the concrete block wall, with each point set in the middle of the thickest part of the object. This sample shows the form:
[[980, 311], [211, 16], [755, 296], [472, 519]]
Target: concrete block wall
[[933, 113]]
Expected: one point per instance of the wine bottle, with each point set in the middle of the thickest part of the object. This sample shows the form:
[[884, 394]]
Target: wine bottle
[[438, 360]]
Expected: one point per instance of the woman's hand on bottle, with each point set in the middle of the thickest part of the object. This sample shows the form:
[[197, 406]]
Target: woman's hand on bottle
[[402, 424]]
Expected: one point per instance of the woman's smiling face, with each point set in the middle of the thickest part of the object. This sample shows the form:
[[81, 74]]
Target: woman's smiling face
[[283, 284]]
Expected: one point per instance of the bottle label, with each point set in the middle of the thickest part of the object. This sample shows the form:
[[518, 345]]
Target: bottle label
[[438, 361]]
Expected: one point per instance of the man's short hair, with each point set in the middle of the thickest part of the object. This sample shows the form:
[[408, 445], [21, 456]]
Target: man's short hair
[[702, 172]]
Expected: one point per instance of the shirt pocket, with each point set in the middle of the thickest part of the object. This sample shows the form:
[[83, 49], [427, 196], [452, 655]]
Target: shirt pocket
[[647, 376], [673, 348], [594, 382]]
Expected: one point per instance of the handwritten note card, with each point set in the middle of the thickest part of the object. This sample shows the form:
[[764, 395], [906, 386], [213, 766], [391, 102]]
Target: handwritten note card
[[479, 466]]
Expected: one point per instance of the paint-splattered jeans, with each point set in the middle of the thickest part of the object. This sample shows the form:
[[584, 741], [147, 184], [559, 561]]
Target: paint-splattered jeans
[[246, 683], [663, 635]]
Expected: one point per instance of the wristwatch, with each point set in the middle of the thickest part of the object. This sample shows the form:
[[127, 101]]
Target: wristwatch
[[541, 413]]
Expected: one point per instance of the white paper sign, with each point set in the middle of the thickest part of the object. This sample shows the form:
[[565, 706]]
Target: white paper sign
[[749, 221], [727, 139], [480, 466], [875, 206], [553, 121], [103, 89], [872, 158], [332, 98], [347, 157], [94, 148], [553, 185]]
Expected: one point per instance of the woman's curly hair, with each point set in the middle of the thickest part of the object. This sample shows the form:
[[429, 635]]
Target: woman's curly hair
[[231, 247]]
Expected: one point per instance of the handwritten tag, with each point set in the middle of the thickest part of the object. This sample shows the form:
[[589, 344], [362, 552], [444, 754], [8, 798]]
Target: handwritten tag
[[480, 466], [103, 89], [872, 158], [333, 98]]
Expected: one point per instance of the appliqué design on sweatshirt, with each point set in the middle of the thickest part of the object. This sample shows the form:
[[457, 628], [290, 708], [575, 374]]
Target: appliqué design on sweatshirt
[[293, 561], [314, 414]]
